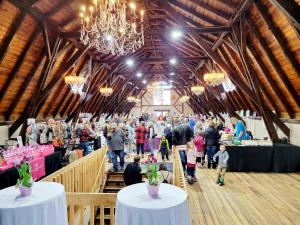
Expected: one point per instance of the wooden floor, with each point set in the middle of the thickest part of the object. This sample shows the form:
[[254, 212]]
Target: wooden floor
[[247, 198]]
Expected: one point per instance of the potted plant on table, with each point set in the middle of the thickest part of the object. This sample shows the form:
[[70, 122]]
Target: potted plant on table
[[153, 180], [25, 182]]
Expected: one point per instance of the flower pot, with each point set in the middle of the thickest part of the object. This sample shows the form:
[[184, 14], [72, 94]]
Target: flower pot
[[153, 190], [25, 191]]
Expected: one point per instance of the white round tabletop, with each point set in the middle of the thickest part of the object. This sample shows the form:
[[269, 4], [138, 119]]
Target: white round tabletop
[[136, 207], [45, 206]]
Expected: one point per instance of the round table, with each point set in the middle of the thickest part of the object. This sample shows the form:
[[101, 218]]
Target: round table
[[136, 207], [45, 206]]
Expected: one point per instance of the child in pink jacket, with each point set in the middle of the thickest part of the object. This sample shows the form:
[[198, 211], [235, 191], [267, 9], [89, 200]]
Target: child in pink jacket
[[199, 143]]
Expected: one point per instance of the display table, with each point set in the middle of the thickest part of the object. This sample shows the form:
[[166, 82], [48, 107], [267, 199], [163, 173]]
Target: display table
[[136, 207], [46, 206], [155, 144], [9, 176], [279, 158]]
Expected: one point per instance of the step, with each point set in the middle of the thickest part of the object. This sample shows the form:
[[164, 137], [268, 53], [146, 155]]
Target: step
[[112, 189], [115, 180]]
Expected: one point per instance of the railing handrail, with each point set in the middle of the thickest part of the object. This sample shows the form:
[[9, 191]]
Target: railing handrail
[[94, 189], [178, 174], [96, 199]]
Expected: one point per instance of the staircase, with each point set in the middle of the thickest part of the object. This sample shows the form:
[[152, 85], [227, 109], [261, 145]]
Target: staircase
[[114, 182]]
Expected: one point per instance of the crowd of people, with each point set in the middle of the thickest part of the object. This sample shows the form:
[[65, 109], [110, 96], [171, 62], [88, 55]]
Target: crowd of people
[[196, 139]]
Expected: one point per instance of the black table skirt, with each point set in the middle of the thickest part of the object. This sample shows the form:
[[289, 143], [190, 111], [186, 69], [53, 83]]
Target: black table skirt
[[279, 158], [10, 176]]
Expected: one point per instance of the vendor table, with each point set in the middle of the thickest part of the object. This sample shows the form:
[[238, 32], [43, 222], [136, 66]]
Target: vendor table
[[45, 206], [155, 144], [9, 176], [279, 158], [136, 207]]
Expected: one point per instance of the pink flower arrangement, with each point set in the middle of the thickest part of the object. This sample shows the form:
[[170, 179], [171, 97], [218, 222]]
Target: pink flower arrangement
[[151, 159]]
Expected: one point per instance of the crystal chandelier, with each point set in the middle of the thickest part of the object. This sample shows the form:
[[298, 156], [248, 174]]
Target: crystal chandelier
[[106, 91], [184, 98], [108, 26], [214, 78], [75, 83], [197, 90]]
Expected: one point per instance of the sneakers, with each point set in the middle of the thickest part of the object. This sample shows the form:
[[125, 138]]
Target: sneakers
[[189, 180], [218, 181], [221, 183]]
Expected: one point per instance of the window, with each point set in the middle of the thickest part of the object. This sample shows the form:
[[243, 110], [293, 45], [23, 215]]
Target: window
[[162, 94]]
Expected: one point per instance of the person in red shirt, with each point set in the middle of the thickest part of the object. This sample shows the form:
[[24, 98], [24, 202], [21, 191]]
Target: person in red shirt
[[140, 136]]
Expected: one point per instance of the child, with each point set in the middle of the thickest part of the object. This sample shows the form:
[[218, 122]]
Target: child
[[191, 162], [222, 164], [164, 148], [199, 143]]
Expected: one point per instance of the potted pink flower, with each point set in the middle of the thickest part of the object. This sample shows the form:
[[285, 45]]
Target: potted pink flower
[[153, 180], [25, 182]]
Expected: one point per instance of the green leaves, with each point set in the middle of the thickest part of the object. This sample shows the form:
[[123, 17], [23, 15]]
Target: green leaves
[[25, 175]]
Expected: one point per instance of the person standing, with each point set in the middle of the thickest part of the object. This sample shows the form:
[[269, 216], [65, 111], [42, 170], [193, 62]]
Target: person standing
[[117, 139], [182, 134], [151, 137], [240, 129], [130, 145], [85, 134], [164, 148], [222, 164], [168, 134], [211, 141], [140, 136]]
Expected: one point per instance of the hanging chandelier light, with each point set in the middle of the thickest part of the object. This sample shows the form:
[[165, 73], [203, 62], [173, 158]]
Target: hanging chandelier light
[[214, 78], [131, 99], [197, 90], [184, 98], [75, 83], [137, 100], [106, 91], [108, 26]]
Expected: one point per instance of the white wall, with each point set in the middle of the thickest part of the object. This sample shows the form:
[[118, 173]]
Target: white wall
[[146, 106], [258, 129]]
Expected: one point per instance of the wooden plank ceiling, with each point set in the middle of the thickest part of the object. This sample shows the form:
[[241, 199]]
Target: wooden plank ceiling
[[256, 43]]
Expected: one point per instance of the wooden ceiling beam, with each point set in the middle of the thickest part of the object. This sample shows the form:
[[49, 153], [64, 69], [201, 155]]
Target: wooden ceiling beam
[[277, 33], [193, 12], [291, 9], [12, 31], [58, 7], [14, 71], [267, 51]]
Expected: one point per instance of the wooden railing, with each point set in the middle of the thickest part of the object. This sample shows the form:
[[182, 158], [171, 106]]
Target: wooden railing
[[178, 174], [91, 203], [84, 175]]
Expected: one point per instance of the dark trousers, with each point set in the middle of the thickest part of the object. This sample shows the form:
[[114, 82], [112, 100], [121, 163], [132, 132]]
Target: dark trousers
[[85, 146], [140, 147], [211, 151], [164, 152], [191, 171], [183, 159], [114, 157]]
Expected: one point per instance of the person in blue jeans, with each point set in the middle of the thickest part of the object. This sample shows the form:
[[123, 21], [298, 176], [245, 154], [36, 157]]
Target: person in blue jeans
[[211, 141], [117, 139]]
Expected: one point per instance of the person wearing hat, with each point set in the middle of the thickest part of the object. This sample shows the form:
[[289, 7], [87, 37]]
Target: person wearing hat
[[117, 139]]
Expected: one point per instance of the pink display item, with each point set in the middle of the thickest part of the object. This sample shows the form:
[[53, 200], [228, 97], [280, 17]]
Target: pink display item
[[25, 191], [153, 190], [37, 168]]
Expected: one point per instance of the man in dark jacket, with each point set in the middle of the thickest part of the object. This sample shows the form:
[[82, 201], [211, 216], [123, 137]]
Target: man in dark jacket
[[132, 173], [211, 142], [182, 134]]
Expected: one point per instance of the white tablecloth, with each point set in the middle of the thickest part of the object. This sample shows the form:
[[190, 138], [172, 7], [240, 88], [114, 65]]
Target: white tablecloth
[[45, 206], [136, 207]]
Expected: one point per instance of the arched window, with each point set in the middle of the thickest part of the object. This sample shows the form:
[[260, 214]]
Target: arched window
[[162, 93]]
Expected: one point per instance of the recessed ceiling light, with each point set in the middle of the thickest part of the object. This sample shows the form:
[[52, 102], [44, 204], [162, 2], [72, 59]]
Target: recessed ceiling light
[[144, 82], [139, 74], [171, 81], [129, 62], [176, 34], [173, 61], [172, 74], [109, 37]]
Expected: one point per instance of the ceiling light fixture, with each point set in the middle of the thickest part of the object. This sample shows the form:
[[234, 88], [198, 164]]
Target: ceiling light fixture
[[176, 34], [144, 82], [172, 74], [139, 74], [173, 61], [129, 62]]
